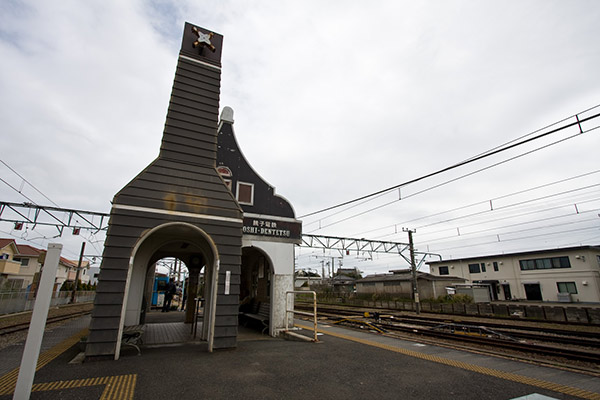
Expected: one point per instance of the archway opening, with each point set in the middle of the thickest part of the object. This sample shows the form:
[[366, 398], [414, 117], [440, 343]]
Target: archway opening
[[256, 289], [166, 290], [186, 247]]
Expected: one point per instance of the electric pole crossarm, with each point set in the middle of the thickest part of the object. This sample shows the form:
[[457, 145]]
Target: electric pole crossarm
[[4, 206], [19, 213], [347, 244]]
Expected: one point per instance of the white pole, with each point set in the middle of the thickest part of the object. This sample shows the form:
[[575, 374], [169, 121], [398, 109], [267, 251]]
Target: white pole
[[38, 323]]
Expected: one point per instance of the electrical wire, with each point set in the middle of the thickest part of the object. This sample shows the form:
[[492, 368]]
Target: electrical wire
[[17, 190], [516, 239], [35, 203], [456, 179], [487, 221], [499, 228], [29, 183], [513, 216], [509, 206], [489, 201], [498, 149]]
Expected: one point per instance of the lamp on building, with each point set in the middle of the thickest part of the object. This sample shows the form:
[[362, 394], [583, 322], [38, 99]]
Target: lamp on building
[[76, 230], [18, 226]]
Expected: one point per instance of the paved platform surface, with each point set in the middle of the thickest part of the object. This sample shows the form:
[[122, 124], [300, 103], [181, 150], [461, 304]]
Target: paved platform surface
[[346, 364]]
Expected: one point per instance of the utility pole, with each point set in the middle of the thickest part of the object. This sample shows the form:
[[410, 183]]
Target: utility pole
[[74, 292], [332, 268], [413, 268]]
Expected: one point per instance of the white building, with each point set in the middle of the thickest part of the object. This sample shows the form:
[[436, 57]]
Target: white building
[[566, 275]]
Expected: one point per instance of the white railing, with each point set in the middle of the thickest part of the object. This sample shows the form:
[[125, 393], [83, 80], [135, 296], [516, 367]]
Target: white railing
[[22, 300], [308, 314]]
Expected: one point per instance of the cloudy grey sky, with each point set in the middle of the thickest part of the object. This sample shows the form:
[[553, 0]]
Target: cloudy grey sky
[[333, 100]]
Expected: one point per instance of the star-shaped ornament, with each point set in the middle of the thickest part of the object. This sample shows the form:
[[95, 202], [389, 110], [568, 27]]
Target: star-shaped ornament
[[203, 39]]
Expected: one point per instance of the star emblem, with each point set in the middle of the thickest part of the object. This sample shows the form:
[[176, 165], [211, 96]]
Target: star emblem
[[203, 39]]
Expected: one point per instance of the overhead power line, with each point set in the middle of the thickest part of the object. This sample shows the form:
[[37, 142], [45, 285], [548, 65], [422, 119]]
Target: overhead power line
[[488, 201], [499, 228], [495, 241], [26, 181], [454, 179], [499, 149], [502, 218]]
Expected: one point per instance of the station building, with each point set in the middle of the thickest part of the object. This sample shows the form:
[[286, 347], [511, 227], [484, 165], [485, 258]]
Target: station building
[[565, 275], [200, 202]]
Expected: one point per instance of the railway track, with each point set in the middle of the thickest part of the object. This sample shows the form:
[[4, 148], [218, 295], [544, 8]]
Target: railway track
[[554, 343], [23, 326]]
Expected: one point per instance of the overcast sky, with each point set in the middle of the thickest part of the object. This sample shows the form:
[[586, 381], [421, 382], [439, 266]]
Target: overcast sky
[[333, 100]]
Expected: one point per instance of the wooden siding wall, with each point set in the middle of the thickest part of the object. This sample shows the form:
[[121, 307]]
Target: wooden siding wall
[[182, 179]]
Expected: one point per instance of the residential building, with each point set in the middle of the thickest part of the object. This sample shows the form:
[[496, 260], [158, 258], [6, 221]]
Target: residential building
[[20, 264], [9, 268], [399, 283], [29, 257], [567, 275]]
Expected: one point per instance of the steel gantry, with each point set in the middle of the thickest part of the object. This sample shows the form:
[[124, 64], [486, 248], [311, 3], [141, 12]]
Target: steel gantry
[[347, 245], [24, 214]]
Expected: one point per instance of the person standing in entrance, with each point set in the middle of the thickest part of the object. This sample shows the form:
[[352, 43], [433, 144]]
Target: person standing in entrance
[[169, 292]]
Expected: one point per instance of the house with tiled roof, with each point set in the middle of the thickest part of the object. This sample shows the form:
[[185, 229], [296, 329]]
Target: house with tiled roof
[[9, 268], [20, 263]]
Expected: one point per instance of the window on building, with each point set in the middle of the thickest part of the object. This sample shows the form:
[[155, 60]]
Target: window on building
[[444, 270], [14, 284], [474, 268], [390, 283], [245, 193], [368, 283], [567, 287], [228, 183], [545, 263], [483, 267], [495, 266]]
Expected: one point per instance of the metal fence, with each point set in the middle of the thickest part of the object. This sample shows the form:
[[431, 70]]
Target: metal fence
[[22, 300]]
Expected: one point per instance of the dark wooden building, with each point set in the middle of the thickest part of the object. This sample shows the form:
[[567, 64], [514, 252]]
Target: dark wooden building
[[202, 203], [178, 206]]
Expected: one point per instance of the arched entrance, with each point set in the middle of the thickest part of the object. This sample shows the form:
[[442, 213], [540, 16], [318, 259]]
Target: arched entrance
[[256, 280], [187, 243]]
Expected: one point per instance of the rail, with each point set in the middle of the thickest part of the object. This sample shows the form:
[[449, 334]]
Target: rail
[[305, 313]]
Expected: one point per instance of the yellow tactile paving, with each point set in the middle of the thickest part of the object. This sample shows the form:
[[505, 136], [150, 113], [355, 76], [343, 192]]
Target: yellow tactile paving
[[9, 380], [120, 387], [584, 394]]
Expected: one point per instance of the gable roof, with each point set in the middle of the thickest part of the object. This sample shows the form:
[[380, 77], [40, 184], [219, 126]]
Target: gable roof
[[8, 242], [25, 250]]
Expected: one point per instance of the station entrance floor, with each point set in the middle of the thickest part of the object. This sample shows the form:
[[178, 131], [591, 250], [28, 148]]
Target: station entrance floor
[[168, 328]]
